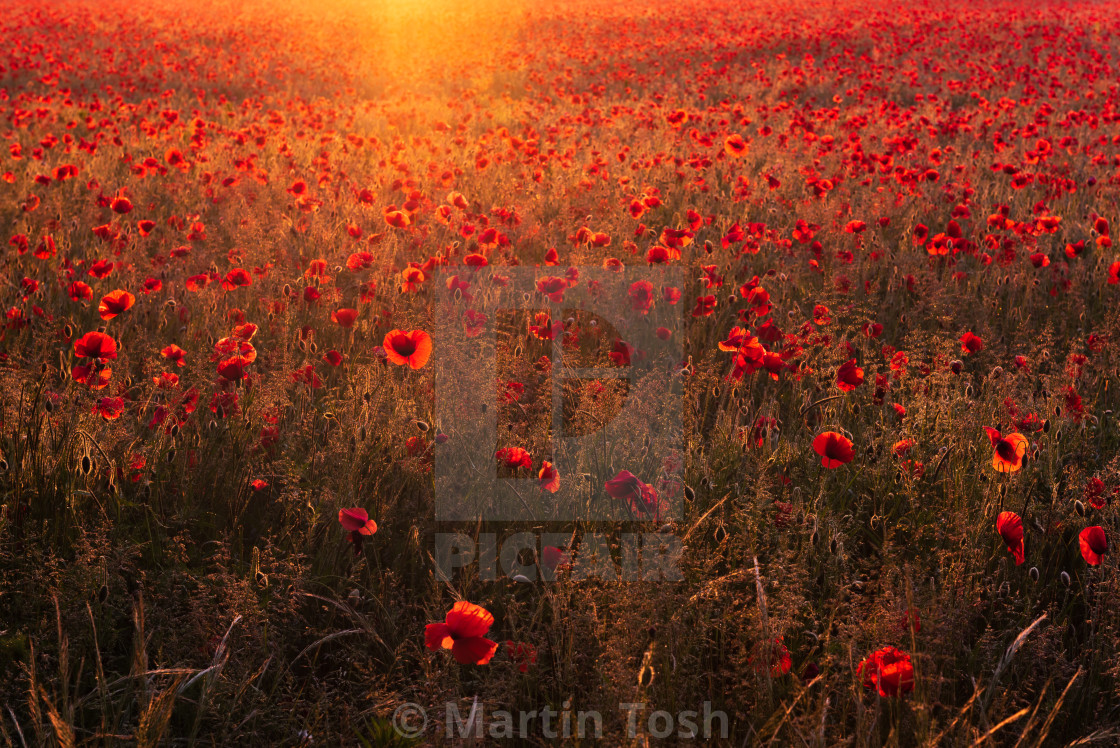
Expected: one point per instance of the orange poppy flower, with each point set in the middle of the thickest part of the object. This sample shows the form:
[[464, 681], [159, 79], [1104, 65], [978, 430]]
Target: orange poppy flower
[[412, 347], [1009, 450], [835, 449], [463, 632], [114, 303], [549, 477]]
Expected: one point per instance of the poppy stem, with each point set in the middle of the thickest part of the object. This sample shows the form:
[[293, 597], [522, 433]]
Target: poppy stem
[[822, 401]]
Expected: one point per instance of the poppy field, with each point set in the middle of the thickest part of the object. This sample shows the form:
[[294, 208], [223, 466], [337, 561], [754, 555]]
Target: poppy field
[[849, 469]]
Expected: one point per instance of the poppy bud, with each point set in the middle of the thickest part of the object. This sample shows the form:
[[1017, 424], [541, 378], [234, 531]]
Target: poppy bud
[[362, 434], [833, 546], [102, 328], [521, 578], [968, 391], [1057, 411], [1065, 578], [86, 465], [261, 579], [1079, 508], [720, 534], [815, 538], [1003, 490], [212, 424], [422, 426], [171, 455], [689, 494], [956, 365], [1004, 589], [287, 290], [48, 405], [666, 528], [1046, 426], [855, 409], [1034, 573], [3, 465], [174, 430]]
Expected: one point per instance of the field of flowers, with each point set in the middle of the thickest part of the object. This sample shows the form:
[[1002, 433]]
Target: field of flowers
[[244, 241]]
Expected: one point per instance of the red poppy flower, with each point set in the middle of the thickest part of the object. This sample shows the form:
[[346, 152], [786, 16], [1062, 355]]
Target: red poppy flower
[[641, 296], [1009, 450], [110, 408], [95, 345], [473, 323], [778, 660], [553, 558], [398, 219], [94, 376], [639, 496], [174, 354], [237, 278], [80, 291], [114, 303], [120, 205], [705, 305], [971, 343], [463, 632], [344, 317], [734, 145], [514, 458], [1010, 528], [234, 367], [357, 520], [890, 670], [835, 449], [411, 278], [412, 347], [1094, 545], [849, 376], [553, 288], [101, 269], [549, 477], [523, 654], [259, 484]]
